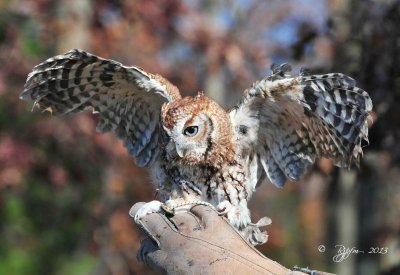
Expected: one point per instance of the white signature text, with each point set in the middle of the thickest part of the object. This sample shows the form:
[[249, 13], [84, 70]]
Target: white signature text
[[344, 252]]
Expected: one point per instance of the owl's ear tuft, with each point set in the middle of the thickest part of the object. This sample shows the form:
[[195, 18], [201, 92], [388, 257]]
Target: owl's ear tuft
[[166, 118]]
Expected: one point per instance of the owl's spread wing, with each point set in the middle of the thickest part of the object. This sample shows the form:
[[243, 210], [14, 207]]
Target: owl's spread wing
[[283, 124], [128, 99]]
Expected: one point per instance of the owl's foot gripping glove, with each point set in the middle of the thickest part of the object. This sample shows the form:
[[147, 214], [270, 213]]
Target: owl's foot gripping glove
[[199, 241], [253, 234]]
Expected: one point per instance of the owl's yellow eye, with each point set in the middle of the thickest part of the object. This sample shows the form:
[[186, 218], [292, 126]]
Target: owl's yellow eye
[[191, 131]]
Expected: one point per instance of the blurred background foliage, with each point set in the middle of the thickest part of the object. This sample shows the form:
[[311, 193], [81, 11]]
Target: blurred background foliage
[[65, 190]]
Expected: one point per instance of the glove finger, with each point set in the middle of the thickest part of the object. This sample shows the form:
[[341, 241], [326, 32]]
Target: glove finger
[[135, 208], [158, 260], [151, 255], [264, 221], [155, 225], [186, 222], [208, 216], [146, 246]]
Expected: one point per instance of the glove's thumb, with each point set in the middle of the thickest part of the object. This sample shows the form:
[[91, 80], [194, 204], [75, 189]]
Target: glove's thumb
[[151, 255]]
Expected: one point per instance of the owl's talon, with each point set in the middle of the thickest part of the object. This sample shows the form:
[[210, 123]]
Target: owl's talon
[[167, 209], [171, 207], [224, 207], [147, 208], [265, 221]]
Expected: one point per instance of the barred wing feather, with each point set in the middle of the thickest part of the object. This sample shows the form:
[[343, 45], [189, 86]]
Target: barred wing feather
[[289, 122], [128, 99]]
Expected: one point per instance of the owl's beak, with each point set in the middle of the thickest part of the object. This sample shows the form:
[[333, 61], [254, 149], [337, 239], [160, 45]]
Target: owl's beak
[[181, 152]]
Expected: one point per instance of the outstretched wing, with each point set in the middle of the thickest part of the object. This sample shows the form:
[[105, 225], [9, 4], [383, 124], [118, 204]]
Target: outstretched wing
[[283, 124], [128, 99]]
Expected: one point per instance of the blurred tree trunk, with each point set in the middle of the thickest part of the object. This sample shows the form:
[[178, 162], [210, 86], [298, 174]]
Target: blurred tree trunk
[[75, 17], [359, 53], [74, 23], [346, 218]]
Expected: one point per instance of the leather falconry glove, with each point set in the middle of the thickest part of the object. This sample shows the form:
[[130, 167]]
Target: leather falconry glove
[[199, 241]]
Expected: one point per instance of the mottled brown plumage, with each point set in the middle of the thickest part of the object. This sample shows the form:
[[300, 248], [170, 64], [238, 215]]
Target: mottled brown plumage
[[194, 148]]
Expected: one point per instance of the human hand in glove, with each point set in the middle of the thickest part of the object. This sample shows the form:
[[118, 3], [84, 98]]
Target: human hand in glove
[[199, 241]]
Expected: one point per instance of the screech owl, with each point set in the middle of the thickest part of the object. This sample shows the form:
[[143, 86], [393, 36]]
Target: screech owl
[[196, 150]]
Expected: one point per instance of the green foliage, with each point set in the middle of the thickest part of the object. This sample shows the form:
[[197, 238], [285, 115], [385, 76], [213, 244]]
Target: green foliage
[[30, 46], [17, 261], [80, 265]]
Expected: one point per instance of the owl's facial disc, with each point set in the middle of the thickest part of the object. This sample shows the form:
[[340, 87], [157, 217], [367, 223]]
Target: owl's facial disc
[[191, 137], [182, 148]]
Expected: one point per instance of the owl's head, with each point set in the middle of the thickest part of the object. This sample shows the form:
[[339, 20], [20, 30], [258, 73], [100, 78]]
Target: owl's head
[[199, 129]]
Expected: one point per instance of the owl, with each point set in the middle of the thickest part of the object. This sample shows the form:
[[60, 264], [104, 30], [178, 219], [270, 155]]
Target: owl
[[197, 151]]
